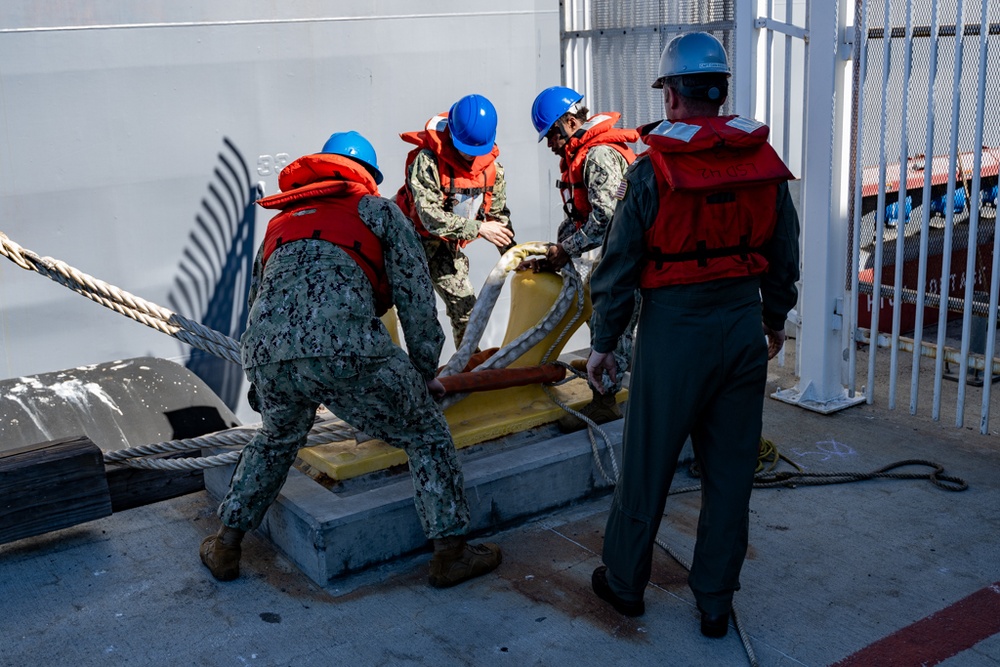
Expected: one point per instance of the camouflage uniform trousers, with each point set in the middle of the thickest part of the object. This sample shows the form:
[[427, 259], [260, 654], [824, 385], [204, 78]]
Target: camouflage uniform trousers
[[623, 350], [449, 269], [386, 399]]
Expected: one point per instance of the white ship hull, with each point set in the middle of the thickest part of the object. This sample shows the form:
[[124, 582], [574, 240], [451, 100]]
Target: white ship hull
[[135, 136]]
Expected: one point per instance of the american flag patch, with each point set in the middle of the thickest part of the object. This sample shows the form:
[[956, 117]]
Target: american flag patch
[[622, 189]]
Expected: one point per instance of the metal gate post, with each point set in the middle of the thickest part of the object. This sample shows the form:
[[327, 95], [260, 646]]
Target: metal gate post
[[744, 77], [824, 215]]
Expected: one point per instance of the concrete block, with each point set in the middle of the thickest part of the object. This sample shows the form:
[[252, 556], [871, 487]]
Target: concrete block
[[331, 533]]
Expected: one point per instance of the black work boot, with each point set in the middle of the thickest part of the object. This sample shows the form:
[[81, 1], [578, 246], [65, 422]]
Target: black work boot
[[714, 625], [602, 409], [221, 553], [599, 582], [455, 560]]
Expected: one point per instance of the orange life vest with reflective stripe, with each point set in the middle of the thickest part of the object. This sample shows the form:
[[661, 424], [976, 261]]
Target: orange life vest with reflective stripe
[[599, 130], [319, 200], [717, 180], [458, 177]]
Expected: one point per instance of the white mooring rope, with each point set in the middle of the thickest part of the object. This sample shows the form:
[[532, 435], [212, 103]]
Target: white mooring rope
[[206, 339]]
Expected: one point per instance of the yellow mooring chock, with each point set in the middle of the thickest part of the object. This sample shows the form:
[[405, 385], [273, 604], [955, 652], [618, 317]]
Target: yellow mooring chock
[[484, 415]]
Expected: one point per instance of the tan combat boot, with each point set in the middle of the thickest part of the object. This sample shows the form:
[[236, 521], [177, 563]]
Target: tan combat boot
[[601, 410], [221, 553], [455, 560]]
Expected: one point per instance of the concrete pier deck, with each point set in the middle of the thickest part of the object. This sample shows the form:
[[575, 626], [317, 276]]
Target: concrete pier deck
[[877, 572]]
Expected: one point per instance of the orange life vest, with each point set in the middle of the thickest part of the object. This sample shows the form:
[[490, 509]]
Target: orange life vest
[[458, 177], [599, 130], [717, 180], [319, 200]]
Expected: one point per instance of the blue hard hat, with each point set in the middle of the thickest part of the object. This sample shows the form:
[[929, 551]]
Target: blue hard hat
[[692, 53], [550, 105], [353, 145], [472, 122]]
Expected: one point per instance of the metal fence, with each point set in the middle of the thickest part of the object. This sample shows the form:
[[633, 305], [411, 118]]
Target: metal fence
[[611, 49], [926, 149], [914, 263]]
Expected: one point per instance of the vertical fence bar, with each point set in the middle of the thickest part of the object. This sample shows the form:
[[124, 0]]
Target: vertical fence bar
[[949, 218], [745, 69], [991, 334], [972, 250], [802, 160], [925, 211], [880, 205], [973, 198], [569, 45], [991, 330], [903, 218], [769, 59], [861, 53], [588, 48], [787, 80]]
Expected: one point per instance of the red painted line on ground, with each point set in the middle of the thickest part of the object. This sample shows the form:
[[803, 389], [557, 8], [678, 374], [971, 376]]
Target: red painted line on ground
[[936, 638]]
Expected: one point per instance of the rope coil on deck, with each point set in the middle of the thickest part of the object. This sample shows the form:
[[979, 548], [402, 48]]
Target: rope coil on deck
[[789, 479], [769, 479]]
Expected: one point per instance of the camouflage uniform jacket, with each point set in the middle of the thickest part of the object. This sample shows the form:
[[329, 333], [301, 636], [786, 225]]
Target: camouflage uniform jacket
[[434, 209], [313, 300], [603, 171]]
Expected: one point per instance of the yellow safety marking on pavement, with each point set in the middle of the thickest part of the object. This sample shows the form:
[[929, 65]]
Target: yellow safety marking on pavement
[[479, 417]]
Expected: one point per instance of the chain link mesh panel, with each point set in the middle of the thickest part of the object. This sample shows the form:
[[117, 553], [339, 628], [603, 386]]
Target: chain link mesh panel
[[625, 40], [883, 87], [914, 141]]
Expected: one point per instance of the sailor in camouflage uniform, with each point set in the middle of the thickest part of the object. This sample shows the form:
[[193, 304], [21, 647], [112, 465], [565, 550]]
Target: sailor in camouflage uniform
[[454, 192], [593, 158], [333, 260]]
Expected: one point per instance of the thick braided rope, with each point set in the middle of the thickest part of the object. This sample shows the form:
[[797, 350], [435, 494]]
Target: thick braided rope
[[166, 321], [485, 303], [142, 311], [198, 336]]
